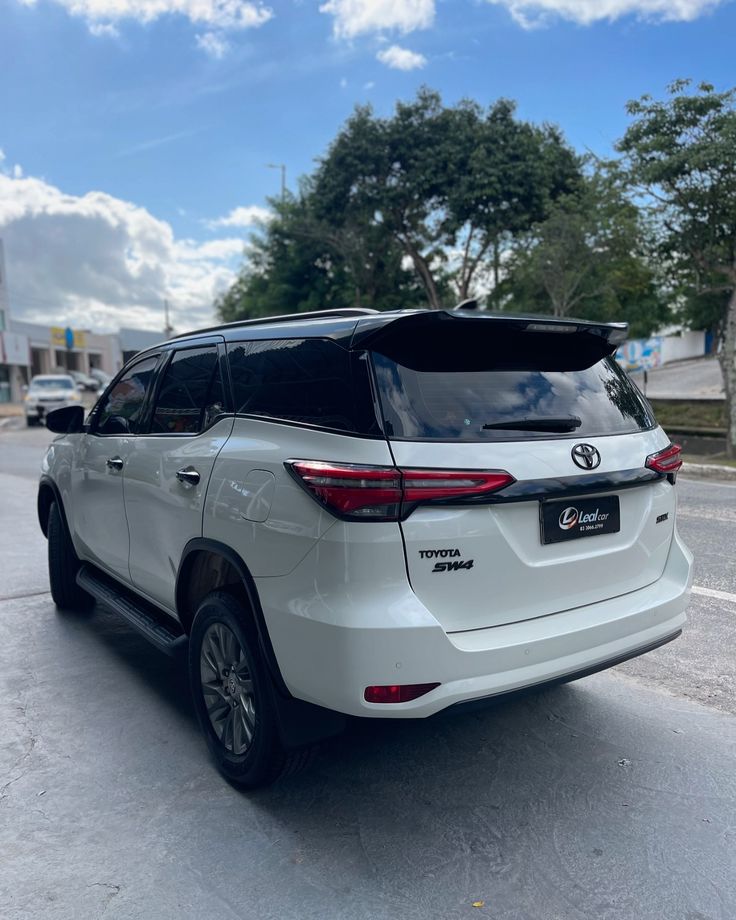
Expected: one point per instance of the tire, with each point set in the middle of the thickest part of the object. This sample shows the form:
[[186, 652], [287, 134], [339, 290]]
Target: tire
[[63, 566], [230, 706], [31, 422]]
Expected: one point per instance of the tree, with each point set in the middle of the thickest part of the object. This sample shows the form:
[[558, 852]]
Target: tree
[[680, 152], [587, 259], [446, 184], [297, 263]]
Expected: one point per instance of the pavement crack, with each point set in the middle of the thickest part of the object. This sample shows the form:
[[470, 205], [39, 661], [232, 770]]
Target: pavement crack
[[19, 597]]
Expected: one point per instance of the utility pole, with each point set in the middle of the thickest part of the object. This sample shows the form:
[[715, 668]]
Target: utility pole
[[282, 167], [168, 328]]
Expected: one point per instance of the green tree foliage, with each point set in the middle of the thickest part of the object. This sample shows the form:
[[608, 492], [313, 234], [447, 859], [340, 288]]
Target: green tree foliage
[[446, 184], [586, 259], [682, 152], [296, 263]]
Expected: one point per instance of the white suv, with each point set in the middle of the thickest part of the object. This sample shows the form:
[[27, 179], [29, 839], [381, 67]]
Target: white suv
[[369, 514]]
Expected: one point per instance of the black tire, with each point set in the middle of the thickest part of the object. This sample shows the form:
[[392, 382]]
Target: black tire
[[63, 566], [264, 760], [31, 422]]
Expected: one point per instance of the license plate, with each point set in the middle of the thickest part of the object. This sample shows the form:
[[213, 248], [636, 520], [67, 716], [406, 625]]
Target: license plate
[[574, 518]]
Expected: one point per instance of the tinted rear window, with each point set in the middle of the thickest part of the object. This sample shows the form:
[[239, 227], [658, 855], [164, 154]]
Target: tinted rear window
[[455, 405]]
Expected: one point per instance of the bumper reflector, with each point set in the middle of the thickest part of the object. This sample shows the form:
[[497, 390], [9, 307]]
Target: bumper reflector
[[397, 693]]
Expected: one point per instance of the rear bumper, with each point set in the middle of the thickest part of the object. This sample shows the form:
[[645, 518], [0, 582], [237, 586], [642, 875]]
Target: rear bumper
[[391, 638]]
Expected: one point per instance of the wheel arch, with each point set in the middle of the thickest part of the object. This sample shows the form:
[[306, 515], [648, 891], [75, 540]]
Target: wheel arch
[[48, 493], [201, 568]]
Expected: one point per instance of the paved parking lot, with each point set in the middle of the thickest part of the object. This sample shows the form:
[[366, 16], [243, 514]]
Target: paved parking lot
[[614, 797]]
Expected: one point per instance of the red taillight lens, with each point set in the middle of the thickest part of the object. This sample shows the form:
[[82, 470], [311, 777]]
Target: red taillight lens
[[426, 485], [666, 461], [370, 492], [384, 493], [397, 693]]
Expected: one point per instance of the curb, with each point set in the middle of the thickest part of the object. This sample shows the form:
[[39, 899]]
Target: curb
[[709, 471]]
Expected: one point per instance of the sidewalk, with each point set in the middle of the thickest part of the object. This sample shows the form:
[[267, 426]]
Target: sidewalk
[[7, 410]]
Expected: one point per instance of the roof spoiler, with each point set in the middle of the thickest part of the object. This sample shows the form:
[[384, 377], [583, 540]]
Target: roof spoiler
[[464, 340]]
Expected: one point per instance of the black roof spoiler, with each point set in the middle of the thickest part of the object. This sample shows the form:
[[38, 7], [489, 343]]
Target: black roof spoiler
[[460, 339]]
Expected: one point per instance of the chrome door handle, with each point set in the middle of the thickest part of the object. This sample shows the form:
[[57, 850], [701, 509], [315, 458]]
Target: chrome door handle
[[189, 476], [114, 463]]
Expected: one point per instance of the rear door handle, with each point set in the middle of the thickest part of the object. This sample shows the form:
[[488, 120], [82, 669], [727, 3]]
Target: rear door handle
[[189, 476], [114, 463]]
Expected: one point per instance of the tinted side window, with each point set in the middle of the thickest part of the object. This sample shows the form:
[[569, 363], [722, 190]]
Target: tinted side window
[[121, 410], [312, 381], [190, 397]]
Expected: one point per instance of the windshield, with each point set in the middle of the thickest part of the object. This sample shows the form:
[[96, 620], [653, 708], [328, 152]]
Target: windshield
[[458, 405], [52, 383]]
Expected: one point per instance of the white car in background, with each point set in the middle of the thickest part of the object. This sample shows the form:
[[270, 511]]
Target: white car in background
[[47, 392]]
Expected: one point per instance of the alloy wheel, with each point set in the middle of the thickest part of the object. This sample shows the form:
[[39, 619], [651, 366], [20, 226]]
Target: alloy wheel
[[227, 686]]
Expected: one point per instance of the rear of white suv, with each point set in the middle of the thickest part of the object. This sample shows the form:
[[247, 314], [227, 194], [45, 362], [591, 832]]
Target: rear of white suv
[[377, 515], [519, 529]]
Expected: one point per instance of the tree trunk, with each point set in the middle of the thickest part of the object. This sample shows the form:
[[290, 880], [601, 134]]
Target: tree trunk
[[728, 366], [425, 274]]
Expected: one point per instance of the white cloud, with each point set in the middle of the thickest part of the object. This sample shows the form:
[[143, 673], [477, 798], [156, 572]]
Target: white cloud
[[103, 30], [531, 13], [357, 17], [214, 44], [216, 14], [401, 58], [241, 217], [98, 261]]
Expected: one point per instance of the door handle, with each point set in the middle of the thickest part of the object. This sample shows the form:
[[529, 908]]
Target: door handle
[[189, 476], [114, 463]]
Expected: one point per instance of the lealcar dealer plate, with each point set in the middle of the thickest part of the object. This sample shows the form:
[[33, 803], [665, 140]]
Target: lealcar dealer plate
[[572, 519]]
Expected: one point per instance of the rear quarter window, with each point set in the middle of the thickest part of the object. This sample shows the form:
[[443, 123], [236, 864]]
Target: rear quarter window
[[450, 405], [305, 381]]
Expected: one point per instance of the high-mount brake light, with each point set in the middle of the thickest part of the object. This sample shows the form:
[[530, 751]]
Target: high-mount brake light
[[666, 461], [385, 493], [397, 693]]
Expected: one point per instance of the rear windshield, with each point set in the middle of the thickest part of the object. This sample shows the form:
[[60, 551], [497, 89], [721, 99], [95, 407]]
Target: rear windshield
[[458, 405]]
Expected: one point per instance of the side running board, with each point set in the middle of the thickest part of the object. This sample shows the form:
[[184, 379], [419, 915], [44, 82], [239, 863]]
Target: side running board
[[159, 629]]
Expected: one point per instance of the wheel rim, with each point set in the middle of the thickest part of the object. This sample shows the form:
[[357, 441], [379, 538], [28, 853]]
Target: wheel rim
[[227, 687]]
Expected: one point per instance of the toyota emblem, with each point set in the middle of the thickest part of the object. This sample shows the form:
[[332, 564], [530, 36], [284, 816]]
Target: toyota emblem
[[586, 457]]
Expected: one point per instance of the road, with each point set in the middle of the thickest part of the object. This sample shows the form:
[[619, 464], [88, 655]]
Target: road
[[699, 378], [613, 798]]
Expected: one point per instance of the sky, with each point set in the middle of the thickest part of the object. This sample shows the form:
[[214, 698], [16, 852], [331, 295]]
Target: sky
[[135, 135]]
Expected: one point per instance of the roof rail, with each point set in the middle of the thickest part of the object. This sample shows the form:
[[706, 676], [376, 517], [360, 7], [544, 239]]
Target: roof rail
[[283, 318]]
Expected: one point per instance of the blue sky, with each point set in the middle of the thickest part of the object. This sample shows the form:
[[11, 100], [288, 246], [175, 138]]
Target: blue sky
[[131, 129]]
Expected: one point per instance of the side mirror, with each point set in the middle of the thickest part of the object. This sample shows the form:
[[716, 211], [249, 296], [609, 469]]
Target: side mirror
[[69, 420]]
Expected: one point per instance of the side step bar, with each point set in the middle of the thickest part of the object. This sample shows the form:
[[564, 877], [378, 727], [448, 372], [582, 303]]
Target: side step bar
[[138, 613]]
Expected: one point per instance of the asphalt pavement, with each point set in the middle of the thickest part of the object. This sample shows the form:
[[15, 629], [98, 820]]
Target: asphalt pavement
[[614, 797]]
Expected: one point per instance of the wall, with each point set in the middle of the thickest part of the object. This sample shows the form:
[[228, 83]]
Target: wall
[[688, 344]]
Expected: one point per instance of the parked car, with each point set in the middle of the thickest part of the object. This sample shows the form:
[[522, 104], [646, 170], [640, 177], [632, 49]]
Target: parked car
[[47, 392], [85, 381], [100, 376], [384, 515]]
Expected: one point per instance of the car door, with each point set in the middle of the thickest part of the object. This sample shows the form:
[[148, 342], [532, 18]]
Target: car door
[[98, 508], [168, 467]]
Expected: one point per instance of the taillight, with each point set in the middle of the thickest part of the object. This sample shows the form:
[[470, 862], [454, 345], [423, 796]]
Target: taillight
[[667, 461], [397, 693], [385, 493], [428, 485]]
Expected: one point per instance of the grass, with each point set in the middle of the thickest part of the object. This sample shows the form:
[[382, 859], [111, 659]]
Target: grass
[[690, 413]]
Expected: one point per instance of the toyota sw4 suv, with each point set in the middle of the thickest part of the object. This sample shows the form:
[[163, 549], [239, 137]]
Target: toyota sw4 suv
[[364, 514]]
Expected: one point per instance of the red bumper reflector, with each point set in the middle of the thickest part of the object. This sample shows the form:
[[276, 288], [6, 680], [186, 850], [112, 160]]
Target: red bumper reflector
[[397, 693]]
